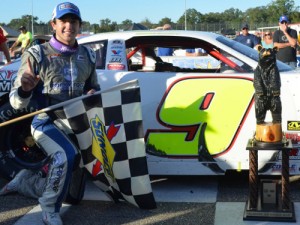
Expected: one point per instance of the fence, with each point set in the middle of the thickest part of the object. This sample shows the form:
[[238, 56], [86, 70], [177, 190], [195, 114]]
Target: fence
[[211, 27]]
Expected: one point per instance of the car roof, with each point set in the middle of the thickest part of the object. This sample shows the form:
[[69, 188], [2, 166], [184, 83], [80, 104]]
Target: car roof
[[150, 33]]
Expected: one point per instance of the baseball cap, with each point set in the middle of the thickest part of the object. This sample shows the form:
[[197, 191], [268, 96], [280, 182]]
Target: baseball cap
[[245, 25], [283, 18], [65, 8]]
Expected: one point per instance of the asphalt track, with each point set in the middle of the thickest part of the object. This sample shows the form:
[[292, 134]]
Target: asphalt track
[[201, 200]]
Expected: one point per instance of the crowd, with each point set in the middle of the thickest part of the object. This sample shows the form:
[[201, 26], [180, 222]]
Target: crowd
[[285, 39]]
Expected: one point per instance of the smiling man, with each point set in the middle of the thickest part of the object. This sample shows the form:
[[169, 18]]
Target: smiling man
[[51, 73]]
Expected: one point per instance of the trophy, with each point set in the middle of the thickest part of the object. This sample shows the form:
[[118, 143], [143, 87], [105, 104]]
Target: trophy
[[267, 97]]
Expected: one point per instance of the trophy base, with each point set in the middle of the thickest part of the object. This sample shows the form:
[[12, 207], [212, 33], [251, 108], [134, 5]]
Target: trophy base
[[268, 133]]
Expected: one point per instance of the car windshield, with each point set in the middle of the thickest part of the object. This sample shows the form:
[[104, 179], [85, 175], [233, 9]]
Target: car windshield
[[250, 52]]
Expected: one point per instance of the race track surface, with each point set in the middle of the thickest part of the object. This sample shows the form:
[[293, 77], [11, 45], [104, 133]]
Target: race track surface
[[217, 200]]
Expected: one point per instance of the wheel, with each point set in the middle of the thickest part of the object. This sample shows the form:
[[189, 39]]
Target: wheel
[[17, 148], [77, 187]]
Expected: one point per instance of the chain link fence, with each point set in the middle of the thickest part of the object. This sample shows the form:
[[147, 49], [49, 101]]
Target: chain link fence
[[210, 27]]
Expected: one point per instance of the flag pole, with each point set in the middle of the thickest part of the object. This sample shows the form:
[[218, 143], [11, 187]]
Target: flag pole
[[128, 84]]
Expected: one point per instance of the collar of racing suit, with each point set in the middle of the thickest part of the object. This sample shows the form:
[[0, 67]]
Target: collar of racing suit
[[62, 48]]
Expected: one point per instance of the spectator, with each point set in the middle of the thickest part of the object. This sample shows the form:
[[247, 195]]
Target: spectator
[[257, 34], [25, 38], [165, 51], [285, 39], [267, 41], [246, 38], [3, 46], [49, 81]]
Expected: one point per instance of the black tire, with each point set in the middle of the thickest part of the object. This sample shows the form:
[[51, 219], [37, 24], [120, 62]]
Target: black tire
[[77, 187], [18, 151], [17, 148]]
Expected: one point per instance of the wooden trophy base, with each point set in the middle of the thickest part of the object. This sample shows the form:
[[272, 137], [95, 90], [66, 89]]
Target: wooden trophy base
[[268, 134]]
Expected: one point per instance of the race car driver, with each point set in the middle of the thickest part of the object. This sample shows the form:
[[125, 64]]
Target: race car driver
[[52, 73]]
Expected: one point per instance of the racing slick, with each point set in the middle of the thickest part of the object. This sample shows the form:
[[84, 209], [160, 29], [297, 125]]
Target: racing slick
[[51, 73]]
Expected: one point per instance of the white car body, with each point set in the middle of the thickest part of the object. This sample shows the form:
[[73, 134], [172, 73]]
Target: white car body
[[210, 105]]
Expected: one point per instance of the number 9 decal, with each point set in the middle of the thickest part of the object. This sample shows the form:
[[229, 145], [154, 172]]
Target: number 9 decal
[[221, 102]]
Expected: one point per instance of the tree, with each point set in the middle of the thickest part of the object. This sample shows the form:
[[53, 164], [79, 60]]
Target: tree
[[125, 24], [164, 21], [257, 14], [106, 25], [193, 17], [147, 23], [233, 15], [281, 7], [24, 21]]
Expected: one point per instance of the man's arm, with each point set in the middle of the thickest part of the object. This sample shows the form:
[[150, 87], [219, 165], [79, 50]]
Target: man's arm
[[292, 42], [291, 38], [11, 49], [3, 47]]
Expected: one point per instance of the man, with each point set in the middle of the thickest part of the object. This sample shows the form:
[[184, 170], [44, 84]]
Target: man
[[25, 38], [165, 51], [285, 39], [52, 73], [246, 38], [3, 46]]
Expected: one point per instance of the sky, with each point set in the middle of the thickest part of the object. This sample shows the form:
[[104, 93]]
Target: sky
[[119, 10]]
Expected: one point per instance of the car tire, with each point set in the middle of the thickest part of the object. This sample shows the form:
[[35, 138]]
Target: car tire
[[18, 151], [77, 187], [15, 154]]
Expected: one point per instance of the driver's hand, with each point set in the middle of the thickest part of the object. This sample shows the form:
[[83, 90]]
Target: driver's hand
[[29, 80]]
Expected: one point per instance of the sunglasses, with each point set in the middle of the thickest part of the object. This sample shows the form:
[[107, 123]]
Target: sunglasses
[[283, 22], [245, 28], [267, 34]]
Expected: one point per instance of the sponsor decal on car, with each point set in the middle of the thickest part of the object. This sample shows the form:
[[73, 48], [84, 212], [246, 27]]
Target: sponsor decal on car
[[278, 168], [7, 78], [293, 125], [115, 66]]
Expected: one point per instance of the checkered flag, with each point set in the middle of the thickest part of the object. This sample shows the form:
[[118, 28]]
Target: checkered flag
[[109, 133]]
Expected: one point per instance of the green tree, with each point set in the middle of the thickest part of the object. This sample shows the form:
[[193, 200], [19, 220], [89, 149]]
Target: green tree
[[281, 7], [126, 23], [95, 28], [25, 20], [233, 15], [257, 14], [147, 23], [193, 17], [106, 25], [165, 20]]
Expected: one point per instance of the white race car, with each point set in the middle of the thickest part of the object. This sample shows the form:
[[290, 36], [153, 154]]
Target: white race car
[[198, 111]]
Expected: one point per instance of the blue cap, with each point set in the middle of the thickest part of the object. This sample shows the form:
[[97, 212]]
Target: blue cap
[[65, 8], [283, 18]]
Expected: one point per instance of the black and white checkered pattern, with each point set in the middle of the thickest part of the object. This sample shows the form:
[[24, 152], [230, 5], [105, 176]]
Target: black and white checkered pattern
[[119, 109]]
